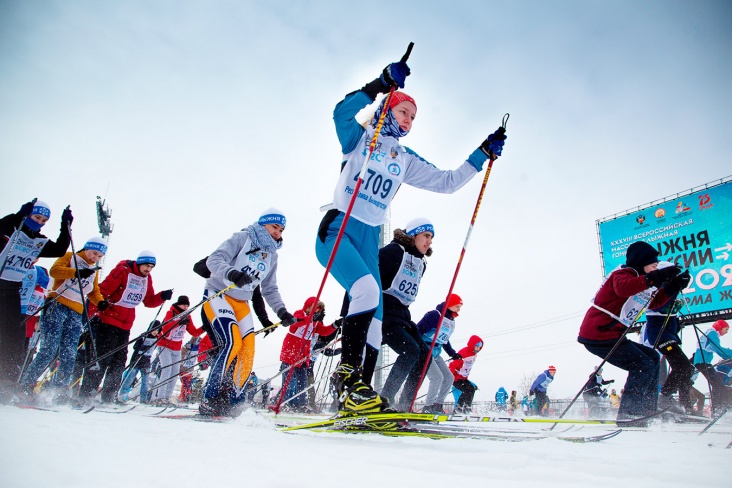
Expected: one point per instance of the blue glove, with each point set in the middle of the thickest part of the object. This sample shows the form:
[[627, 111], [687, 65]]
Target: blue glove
[[395, 74], [66, 217], [493, 145], [27, 208]]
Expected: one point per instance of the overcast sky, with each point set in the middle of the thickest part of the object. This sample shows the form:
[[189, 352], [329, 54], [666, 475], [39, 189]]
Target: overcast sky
[[190, 118]]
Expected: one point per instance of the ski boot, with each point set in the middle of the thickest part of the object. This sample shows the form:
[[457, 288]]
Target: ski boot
[[356, 397]]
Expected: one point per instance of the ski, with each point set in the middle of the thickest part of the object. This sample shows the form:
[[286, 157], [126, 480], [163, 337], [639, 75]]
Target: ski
[[48, 409], [366, 419], [195, 416], [411, 430], [116, 410]]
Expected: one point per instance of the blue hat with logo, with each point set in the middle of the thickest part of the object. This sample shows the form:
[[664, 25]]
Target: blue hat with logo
[[419, 225], [41, 208], [272, 216], [146, 257], [96, 244]]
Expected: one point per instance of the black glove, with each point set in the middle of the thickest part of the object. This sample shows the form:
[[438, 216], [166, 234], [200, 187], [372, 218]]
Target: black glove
[[166, 295], [493, 145], [103, 305], [338, 323], [677, 283], [395, 74], [660, 276], [66, 217], [286, 317], [456, 356], [319, 316], [27, 208], [531, 392], [86, 272], [239, 278]]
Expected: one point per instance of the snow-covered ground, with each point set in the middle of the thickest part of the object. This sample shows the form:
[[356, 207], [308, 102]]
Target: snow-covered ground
[[70, 449]]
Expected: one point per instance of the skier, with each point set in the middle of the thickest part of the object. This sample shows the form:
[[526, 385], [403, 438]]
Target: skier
[[22, 242], [355, 264], [618, 302], [709, 345], [296, 350], [513, 403], [501, 398], [128, 285], [252, 387], [401, 266], [594, 390], [539, 387], [440, 376], [460, 369], [142, 351], [32, 298], [190, 355], [247, 259], [662, 329], [62, 324], [169, 349]]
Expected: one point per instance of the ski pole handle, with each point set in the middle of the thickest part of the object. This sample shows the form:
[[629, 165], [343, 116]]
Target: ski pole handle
[[406, 54]]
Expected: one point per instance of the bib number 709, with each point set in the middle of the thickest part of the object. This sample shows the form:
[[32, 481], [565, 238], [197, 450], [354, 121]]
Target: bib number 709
[[376, 183]]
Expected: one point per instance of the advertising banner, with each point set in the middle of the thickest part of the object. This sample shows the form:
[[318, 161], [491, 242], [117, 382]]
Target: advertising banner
[[692, 229]]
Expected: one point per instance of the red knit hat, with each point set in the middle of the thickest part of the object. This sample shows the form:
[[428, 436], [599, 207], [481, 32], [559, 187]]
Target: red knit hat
[[719, 325], [454, 300], [552, 369], [398, 97]]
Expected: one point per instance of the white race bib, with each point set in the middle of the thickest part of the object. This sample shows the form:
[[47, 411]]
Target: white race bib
[[19, 260]]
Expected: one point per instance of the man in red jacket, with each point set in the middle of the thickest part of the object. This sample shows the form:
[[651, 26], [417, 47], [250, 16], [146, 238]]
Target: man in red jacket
[[128, 285]]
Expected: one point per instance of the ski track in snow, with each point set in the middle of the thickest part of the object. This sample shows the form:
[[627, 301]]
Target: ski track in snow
[[70, 449]]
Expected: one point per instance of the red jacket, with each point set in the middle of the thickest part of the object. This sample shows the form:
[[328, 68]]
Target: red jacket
[[175, 331], [297, 343], [461, 367], [113, 288], [203, 348], [619, 286]]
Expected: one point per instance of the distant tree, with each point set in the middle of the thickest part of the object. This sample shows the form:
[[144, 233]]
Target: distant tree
[[525, 385]]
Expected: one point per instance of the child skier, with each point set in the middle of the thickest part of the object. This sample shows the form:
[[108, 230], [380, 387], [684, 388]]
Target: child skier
[[296, 350], [402, 264], [22, 242], [62, 324], [721, 395], [618, 302], [247, 259], [439, 374], [169, 349], [662, 331], [539, 387], [355, 264], [460, 369]]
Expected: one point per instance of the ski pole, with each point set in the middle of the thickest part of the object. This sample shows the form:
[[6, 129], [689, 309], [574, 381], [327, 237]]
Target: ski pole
[[609, 354], [352, 201], [85, 314], [11, 243], [663, 328], [491, 159], [172, 319]]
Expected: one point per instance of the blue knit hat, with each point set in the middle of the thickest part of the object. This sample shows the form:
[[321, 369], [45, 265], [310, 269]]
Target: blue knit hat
[[146, 257], [96, 244], [41, 208], [419, 225], [272, 216]]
